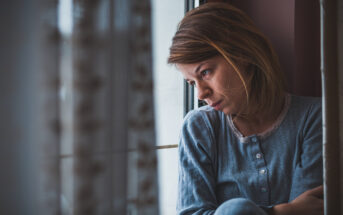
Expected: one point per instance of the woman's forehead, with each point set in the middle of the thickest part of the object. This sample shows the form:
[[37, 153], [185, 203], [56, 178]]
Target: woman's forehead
[[213, 60], [188, 67]]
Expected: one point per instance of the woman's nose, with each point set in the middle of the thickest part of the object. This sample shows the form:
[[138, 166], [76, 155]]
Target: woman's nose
[[203, 91]]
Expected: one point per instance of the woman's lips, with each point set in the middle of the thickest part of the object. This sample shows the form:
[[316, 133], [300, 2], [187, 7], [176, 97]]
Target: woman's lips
[[217, 105]]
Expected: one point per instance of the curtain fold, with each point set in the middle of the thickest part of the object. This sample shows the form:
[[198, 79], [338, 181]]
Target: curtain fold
[[114, 161], [98, 146], [142, 161]]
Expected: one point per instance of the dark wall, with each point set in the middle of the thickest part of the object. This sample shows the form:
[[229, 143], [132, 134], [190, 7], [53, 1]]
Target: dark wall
[[307, 48]]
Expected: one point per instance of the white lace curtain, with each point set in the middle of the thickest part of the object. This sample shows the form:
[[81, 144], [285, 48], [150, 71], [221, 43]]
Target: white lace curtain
[[86, 143]]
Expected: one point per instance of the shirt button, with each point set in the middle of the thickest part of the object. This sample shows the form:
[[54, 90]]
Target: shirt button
[[258, 155], [263, 189], [262, 171]]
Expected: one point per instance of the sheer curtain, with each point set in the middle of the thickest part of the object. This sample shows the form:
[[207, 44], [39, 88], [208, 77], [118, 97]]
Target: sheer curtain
[[84, 115]]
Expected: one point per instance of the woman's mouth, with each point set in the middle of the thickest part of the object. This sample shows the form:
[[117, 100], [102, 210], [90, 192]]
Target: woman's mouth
[[216, 105]]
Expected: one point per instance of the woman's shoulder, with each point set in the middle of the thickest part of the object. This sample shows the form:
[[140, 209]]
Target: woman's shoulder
[[199, 130], [305, 113], [204, 120], [307, 104], [206, 114], [307, 99]]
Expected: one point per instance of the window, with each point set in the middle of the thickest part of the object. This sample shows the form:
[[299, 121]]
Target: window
[[168, 95], [173, 98]]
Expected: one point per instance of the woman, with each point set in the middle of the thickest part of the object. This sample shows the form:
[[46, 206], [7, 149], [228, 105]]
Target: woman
[[254, 149]]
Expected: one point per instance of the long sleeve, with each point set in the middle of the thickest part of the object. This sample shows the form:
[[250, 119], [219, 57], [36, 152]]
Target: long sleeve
[[308, 172], [198, 174], [196, 189]]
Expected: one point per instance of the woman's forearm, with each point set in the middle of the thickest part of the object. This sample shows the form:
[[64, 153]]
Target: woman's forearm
[[282, 209], [310, 202]]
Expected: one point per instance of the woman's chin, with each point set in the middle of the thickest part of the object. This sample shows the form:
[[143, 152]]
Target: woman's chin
[[226, 111]]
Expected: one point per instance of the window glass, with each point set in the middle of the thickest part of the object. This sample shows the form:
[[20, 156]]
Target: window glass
[[168, 95]]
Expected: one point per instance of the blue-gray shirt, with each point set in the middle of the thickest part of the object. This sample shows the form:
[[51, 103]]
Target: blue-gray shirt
[[216, 163]]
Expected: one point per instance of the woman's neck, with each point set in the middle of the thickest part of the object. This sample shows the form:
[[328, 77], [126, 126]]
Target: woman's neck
[[259, 122]]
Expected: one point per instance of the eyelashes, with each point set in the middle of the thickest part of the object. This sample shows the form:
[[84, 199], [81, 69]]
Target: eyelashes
[[203, 75]]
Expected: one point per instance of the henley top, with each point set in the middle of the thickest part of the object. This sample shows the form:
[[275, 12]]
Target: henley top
[[216, 163]]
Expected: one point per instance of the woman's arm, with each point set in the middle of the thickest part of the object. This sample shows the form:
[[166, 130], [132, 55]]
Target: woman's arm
[[306, 196], [196, 188], [310, 202], [308, 172]]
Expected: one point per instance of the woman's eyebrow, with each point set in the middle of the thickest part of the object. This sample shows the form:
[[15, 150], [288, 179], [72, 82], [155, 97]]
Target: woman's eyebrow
[[198, 67]]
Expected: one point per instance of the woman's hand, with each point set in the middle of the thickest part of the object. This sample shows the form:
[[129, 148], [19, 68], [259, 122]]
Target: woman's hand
[[310, 202]]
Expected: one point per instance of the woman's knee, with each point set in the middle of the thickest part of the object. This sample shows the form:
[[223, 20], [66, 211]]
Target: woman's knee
[[239, 206]]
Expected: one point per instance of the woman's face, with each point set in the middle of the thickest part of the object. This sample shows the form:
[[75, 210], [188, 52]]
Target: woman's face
[[218, 84]]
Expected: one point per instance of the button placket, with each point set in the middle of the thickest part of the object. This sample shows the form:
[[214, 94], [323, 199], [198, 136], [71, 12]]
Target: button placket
[[262, 171], [261, 167], [258, 155]]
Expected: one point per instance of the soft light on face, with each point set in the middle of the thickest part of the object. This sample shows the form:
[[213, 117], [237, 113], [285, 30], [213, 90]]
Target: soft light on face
[[218, 84]]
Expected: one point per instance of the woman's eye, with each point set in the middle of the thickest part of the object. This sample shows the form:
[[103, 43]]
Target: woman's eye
[[205, 72]]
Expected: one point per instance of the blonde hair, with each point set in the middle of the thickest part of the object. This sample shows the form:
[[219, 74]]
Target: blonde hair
[[215, 29]]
